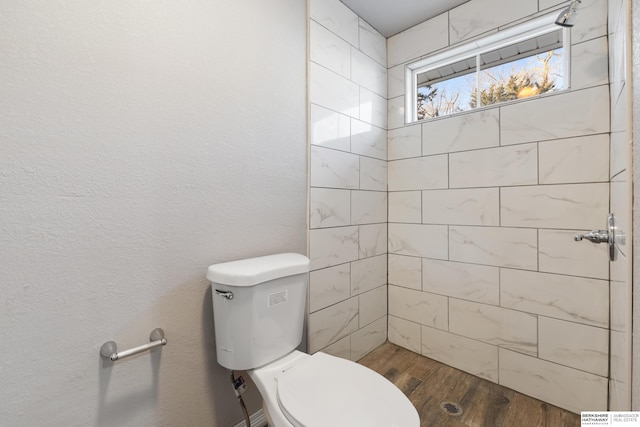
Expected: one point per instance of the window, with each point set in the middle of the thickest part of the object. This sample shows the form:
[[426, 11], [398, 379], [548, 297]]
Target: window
[[523, 61]]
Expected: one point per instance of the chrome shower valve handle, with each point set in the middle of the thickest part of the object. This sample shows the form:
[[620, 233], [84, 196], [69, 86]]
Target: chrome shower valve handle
[[595, 236], [603, 236]]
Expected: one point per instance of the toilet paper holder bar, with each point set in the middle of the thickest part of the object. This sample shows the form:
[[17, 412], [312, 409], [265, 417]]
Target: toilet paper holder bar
[[109, 350]]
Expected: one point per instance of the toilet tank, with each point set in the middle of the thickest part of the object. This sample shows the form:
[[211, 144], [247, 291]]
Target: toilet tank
[[258, 308]]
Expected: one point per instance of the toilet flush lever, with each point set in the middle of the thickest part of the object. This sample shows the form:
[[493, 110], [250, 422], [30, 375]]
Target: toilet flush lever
[[225, 294]]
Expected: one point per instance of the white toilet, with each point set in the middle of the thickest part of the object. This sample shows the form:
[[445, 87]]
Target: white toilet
[[258, 308]]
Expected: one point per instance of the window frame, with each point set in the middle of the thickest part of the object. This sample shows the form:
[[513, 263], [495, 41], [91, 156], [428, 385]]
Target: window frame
[[521, 32]]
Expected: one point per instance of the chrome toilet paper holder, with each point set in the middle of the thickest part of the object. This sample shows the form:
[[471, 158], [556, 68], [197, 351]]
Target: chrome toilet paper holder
[[109, 350]]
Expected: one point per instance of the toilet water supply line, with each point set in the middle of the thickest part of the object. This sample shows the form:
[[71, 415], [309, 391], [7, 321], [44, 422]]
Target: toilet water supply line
[[240, 387]]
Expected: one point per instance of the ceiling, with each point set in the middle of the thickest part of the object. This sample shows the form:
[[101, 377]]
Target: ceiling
[[390, 17]]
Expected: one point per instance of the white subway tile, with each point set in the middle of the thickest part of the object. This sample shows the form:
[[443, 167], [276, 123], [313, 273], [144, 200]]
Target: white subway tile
[[492, 167], [419, 40], [464, 132], [621, 200], [372, 241], [428, 241], [479, 16], [405, 206], [405, 271], [373, 174], [419, 307], [499, 246], [494, 325], [592, 22], [405, 142], [337, 17], [616, 15], [618, 30], [574, 160], [404, 333], [562, 115], [475, 357], [333, 323], [329, 286], [589, 63], [368, 73], [329, 129], [396, 76], [422, 173], [621, 268], [478, 206], [570, 344], [368, 274], [332, 91], [555, 206], [620, 297], [368, 207], [395, 112], [620, 203], [620, 155], [329, 50], [478, 283], [620, 105], [368, 338], [619, 396], [620, 348], [545, 4], [329, 207], [372, 305], [332, 246], [373, 108], [618, 102], [560, 253], [559, 385], [576, 299], [332, 168], [373, 43], [340, 348], [368, 140]]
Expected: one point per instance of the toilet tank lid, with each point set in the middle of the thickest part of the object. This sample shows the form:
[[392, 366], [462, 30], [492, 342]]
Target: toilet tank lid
[[249, 272]]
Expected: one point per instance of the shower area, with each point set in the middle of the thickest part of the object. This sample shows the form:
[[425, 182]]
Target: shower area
[[455, 237]]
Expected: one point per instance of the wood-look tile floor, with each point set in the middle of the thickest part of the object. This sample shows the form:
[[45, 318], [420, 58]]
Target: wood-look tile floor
[[428, 383]]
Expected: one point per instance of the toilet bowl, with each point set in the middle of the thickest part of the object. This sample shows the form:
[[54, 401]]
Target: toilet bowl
[[258, 310], [319, 390]]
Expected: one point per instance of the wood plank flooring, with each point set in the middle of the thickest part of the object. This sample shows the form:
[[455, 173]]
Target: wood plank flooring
[[428, 383]]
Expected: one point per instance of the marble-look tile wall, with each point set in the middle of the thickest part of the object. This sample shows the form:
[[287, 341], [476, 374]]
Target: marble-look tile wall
[[621, 200], [348, 182], [484, 273]]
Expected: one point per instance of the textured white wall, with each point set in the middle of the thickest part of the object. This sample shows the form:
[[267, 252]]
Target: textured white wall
[[140, 142]]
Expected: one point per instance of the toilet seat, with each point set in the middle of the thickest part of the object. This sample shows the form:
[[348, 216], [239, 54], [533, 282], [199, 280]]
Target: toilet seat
[[324, 390]]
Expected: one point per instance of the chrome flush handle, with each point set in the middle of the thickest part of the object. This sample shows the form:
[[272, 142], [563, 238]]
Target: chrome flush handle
[[225, 294]]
